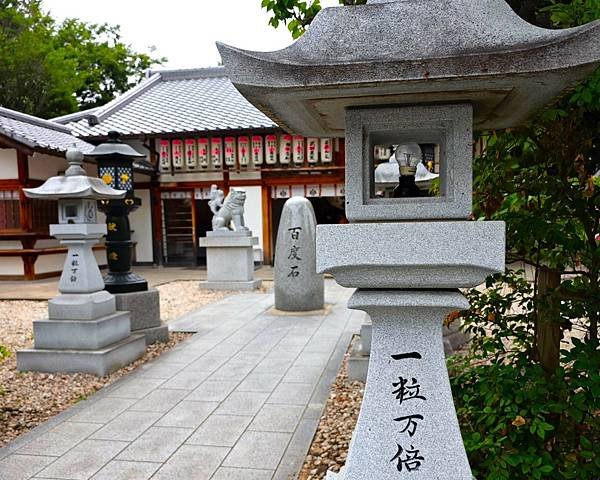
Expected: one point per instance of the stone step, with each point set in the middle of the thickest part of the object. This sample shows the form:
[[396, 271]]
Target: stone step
[[143, 308], [96, 362], [81, 334], [154, 334]]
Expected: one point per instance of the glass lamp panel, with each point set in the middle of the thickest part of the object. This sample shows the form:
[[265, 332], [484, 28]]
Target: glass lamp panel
[[402, 155], [107, 174], [125, 176]]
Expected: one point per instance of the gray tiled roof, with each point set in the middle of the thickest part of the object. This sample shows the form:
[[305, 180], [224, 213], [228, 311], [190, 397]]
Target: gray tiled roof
[[173, 101], [36, 133]]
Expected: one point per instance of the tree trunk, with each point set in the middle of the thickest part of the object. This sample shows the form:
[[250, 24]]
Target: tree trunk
[[549, 332]]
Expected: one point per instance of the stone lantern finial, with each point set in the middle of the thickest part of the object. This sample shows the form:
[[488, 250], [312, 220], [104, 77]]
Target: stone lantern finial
[[75, 159]]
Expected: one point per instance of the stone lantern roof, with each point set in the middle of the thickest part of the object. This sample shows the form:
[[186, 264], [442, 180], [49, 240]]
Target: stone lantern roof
[[404, 52], [74, 184]]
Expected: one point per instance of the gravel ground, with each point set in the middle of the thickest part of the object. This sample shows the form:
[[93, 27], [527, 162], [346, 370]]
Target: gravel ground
[[178, 298], [16, 327], [28, 398], [332, 439]]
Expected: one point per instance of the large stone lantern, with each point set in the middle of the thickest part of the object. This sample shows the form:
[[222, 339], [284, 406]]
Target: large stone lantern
[[84, 332], [404, 72], [115, 167]]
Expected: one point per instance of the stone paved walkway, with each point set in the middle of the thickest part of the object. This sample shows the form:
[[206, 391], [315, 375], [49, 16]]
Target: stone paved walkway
[[240, 400], [47, 288]]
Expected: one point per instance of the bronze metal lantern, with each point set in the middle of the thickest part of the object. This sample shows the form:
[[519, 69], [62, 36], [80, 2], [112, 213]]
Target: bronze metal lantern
[[115, 167]]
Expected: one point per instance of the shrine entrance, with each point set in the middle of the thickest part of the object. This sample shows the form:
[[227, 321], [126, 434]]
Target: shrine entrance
[[179, 244], [203, 224]]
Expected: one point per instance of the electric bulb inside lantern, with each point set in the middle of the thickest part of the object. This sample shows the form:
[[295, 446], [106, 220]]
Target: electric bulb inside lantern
[[408, 157]]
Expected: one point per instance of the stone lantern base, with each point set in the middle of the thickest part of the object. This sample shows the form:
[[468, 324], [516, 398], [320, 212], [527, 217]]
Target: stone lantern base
[[98, 362], [80, 340], [84, 331]]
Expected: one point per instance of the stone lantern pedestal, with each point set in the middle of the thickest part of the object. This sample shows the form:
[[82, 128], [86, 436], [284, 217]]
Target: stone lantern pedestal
[[84, 332], [407, 388], [408, 420]]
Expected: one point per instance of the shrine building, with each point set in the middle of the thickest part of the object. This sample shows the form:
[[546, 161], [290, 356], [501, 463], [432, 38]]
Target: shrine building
[[196, 130]]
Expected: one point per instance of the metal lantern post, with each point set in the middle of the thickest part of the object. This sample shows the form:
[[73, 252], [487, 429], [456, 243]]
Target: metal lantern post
[[115, 167]]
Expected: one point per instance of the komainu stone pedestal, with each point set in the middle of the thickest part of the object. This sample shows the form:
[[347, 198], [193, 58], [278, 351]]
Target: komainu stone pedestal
[[408, 411], [144, 312], [84, 331], [229, 260]]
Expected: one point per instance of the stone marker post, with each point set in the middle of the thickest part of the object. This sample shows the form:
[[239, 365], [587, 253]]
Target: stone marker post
[[382, 75], [298, 286]]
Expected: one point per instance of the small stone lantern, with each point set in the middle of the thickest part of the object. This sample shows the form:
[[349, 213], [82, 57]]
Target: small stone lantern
[[83, 332], [115, 168], [452, 66]]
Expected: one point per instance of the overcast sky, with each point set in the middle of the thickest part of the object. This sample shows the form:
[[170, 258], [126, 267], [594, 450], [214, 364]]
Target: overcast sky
[[184, 31]]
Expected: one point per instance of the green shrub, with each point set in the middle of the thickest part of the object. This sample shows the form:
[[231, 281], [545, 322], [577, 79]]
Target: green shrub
[[518, 422], [4, 352]]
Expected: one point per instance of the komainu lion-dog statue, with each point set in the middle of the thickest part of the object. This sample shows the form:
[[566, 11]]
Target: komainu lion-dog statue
[[228, 213]]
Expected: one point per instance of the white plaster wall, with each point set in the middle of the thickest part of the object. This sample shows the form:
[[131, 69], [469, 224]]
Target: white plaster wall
[[11, 266], [141, 223], [253, 217], [55, 263], [140, 177], [101, 257], [10, 245], [191, 177], [50, 263], [42, 167], [47, 243], [8, 164]]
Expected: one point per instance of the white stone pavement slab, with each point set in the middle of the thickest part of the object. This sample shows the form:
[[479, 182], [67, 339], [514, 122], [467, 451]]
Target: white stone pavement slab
[[241, 399]]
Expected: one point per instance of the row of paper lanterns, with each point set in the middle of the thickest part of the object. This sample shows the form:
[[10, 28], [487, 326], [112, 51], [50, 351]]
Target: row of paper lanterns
[[200, 153], [277, 192]]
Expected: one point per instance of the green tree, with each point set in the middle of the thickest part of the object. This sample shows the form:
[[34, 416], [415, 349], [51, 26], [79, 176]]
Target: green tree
[[49, 69], [297, 14]]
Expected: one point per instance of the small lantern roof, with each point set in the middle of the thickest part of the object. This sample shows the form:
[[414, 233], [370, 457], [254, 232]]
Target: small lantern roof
[[114, 147], [74, 184], [401, 52]]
